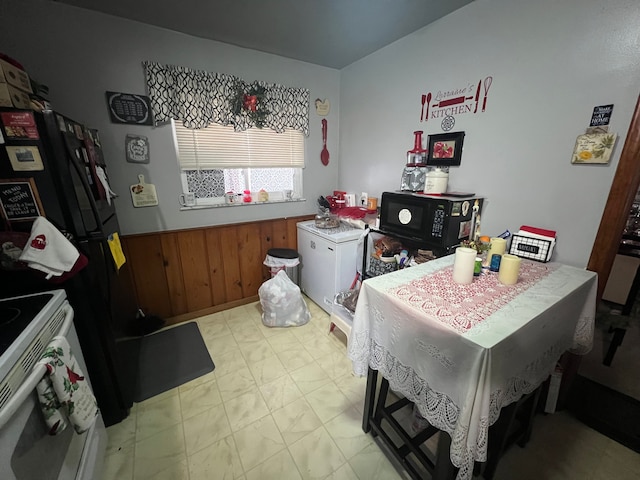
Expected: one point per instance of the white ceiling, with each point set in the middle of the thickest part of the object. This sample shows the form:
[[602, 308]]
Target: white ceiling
[[332, 33]]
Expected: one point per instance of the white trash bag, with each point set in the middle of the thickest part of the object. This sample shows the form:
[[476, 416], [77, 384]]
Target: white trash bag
[[282, 302]]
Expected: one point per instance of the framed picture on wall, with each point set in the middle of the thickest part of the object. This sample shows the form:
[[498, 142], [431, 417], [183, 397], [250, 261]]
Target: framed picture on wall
[[445, 149], [593, 148]]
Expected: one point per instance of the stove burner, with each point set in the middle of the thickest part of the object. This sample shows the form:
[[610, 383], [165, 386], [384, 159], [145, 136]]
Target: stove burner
[[8, 315], [16, 314]]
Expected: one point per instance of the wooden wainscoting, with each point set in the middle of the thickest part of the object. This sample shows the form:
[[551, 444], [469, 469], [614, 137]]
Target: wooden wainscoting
[[183, 274]]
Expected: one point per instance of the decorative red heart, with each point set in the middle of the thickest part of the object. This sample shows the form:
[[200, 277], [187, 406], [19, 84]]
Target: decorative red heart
[[39, 242]]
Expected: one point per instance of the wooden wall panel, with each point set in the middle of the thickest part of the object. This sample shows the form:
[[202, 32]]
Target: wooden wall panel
[[215, 254], [249, 252], [292, 232], [173, 269], [195, 269], [231, 262], [266, 239], [147, 269], [184, 272], [279, 234]]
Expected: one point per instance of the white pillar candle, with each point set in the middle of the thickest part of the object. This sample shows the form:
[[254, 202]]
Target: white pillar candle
[[498, 246], [509, 269], [463, 265]]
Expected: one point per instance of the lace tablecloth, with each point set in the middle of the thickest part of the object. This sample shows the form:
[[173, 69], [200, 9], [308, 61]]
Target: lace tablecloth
[[463, 352]]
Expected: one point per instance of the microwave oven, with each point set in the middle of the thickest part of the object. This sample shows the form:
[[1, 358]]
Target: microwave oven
[[437, 222]]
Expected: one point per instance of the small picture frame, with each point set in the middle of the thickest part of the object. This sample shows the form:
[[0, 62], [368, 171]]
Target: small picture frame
[[445, 149], [593, 148], [137, 149]]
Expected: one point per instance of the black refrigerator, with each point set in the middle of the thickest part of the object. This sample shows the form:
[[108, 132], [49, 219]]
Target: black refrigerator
[[58, 160]]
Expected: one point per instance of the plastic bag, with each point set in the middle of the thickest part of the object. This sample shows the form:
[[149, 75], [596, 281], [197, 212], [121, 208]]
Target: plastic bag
[[282, 302]]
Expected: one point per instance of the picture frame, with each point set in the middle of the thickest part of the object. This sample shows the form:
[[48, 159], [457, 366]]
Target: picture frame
[[19, 200], [445, 149], [593, 148]]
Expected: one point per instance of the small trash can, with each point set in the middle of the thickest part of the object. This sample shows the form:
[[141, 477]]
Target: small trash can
[[285, 259]]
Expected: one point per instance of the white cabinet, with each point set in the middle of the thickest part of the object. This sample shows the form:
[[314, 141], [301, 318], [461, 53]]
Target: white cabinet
[[328, 261]]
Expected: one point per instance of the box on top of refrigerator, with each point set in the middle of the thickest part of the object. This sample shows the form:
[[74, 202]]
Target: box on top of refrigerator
[[14, 76], [13, 97]]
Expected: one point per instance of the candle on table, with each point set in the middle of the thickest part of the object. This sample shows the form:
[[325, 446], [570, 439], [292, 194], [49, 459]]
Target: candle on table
[[498, 246], [509, 269], [463, 265]]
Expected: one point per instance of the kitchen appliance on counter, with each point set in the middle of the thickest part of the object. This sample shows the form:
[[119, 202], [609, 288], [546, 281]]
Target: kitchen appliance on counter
[[62, 159], [434, 222], [329, 260], [27, 451], [415, 170]]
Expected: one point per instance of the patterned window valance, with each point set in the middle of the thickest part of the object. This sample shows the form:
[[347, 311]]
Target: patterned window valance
[[199, 98]]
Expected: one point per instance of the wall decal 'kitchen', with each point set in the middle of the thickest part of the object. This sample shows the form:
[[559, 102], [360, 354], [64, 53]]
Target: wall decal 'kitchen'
[[458, 101]]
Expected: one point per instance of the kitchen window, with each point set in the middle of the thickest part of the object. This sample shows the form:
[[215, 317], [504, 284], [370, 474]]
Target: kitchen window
[[216, 160]]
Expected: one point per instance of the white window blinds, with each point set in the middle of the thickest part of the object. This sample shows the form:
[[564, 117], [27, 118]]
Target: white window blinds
[[219, 147]]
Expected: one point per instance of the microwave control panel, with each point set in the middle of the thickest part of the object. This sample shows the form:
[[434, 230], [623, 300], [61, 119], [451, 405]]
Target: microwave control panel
[[438, 222]]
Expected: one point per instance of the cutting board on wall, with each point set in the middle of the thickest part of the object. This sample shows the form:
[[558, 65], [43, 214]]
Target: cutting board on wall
[[143, 194]]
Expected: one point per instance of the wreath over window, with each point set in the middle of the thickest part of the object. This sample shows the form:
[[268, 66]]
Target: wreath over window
[[250, 101]]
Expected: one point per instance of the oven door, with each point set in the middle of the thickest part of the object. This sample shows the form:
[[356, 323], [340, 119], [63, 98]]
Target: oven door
[[28, 452]]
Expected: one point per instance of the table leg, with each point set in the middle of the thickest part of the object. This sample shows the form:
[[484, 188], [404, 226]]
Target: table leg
[[444, 469], [369, 399]]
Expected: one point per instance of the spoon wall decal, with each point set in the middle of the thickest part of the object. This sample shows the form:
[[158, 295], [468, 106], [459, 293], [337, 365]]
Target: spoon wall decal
[[426, 117], [324, 154]]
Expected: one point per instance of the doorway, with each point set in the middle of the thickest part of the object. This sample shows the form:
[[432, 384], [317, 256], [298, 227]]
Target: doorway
[[607, 397]]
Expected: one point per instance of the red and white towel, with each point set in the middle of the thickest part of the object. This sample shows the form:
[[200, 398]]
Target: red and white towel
[[48, 250], [64, 392]]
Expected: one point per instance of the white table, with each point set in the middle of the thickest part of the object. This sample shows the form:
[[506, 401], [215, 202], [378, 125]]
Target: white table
[[463, 352]]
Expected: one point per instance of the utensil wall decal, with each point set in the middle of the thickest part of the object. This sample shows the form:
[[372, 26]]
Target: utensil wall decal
[[487, 85], [324, 154], [477, 96], [455, 101]]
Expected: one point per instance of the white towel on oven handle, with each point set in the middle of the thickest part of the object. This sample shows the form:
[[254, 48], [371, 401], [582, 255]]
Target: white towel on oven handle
[[69, 384]]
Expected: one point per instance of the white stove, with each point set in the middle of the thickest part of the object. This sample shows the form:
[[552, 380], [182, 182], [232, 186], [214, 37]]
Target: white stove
[[27, 451]]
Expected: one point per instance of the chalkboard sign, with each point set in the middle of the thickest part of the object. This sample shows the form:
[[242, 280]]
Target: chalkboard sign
[[19, 199], [129, 108]]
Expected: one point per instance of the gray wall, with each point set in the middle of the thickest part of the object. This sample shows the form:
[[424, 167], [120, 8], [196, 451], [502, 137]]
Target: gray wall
[[551, 63], [80, 54]]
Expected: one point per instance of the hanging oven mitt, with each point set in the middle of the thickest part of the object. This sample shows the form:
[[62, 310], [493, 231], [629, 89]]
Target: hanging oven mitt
[[50, 406], [116, 250], [70, 386]]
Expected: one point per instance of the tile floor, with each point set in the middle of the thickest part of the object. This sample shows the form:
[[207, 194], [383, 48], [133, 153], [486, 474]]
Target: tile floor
[[282, 404]]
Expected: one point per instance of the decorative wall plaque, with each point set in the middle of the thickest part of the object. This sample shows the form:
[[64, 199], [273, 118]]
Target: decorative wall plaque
[[129, 108], [137, 149], [19, 199]]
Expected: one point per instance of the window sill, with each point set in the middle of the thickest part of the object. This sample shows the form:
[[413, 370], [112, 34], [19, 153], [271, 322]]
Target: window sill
[[239, 204]]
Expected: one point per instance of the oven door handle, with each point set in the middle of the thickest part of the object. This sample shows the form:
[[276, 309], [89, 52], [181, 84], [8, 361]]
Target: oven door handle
[[37, 372]]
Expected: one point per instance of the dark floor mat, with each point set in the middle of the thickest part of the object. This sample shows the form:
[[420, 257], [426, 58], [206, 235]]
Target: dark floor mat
[[606, 410], [170, 358]]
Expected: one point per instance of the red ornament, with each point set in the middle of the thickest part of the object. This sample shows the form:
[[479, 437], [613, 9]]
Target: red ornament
[[250, 102]]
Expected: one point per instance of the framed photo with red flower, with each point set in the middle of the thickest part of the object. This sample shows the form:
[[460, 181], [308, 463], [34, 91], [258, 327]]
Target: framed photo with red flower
[[445, 149]]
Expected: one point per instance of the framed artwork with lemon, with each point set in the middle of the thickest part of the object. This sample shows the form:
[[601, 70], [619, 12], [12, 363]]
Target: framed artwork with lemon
[[594, 148]]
